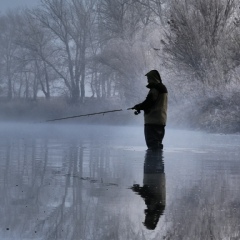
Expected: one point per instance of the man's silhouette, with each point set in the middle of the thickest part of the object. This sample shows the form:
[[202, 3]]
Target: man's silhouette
[[153, 190], [155, 110]]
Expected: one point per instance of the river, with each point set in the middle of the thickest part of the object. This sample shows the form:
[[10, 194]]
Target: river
[[79, 182]]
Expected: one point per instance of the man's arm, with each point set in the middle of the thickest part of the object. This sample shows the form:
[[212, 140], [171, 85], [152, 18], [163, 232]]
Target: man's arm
[[148, 102]]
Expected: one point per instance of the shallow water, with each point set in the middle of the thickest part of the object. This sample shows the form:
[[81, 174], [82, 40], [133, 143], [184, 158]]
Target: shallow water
[[99, 183]]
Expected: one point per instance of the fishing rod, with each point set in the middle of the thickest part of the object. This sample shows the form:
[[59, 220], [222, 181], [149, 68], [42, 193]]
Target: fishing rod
[[89, 114]]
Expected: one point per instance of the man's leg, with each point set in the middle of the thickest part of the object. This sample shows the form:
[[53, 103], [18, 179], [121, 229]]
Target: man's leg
[[154, 135]]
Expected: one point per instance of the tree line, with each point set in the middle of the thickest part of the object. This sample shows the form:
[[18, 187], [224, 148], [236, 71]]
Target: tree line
[[103, 48]]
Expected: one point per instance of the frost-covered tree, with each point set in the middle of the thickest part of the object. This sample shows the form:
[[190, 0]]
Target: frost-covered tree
[[198, 40], [68, 23], [9, 51], [122, 52]]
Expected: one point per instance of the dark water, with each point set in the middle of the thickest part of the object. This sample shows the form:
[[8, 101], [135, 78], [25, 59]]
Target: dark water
[[100, 183]]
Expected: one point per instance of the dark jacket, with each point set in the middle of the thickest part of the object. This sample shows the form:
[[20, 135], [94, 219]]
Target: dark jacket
[[155, 104]]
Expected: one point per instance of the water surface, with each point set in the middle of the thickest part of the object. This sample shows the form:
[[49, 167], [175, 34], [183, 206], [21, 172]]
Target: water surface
[[81, 182]]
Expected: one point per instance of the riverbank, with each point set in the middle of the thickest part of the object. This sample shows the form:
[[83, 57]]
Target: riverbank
[[44, 110], [217, 115], [212, 115]]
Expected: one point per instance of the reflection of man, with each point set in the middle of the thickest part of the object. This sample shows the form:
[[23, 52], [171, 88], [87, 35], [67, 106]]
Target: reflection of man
[[153, 190]]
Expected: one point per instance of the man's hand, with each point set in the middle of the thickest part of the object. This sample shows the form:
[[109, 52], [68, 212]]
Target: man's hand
[[136, 188], [137, 107]]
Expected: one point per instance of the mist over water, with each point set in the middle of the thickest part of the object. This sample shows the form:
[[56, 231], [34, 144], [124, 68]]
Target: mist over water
[[62, 181], [75, 180]]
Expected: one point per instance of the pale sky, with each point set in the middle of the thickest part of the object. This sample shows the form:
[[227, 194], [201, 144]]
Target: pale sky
[[12, 4]]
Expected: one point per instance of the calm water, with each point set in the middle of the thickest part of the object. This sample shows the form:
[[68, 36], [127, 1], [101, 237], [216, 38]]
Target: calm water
[[99, 183]]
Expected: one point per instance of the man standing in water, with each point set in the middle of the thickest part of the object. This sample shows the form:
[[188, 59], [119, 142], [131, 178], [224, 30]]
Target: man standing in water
[[155, 110]]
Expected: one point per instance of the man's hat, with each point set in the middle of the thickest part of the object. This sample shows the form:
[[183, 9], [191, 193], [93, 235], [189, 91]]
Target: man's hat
[[154, 74]]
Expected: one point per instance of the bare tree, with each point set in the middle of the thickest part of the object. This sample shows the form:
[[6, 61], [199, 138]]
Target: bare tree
[[198, 38], [68, 23], [120, 19], [121, 54], [36, 44], [8, 49], [153, 10]]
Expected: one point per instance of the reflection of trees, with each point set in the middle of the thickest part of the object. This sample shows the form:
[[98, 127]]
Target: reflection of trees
[[208, 210], [75, 189], [61, 189]]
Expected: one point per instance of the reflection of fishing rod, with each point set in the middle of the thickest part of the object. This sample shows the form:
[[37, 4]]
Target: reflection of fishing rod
[[86, 115]]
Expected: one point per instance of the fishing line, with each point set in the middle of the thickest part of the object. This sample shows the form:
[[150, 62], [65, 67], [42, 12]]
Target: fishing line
[[86, 115]]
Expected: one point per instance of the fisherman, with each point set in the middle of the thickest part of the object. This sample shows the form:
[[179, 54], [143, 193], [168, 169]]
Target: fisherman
[[155, 110]]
